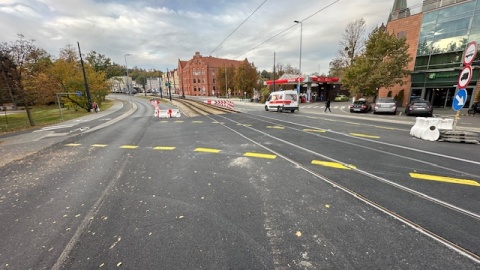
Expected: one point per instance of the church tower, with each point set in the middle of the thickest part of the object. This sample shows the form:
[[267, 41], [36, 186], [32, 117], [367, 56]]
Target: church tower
[[399, 10]]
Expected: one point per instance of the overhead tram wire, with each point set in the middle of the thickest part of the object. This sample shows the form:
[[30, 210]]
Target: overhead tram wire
[[288, 28], [238, 26]]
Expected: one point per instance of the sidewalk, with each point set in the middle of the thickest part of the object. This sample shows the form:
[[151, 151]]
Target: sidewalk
[[16, 146]]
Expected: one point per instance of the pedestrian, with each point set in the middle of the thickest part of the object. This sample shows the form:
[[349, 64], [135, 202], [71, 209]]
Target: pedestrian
[[95, 106], [327, 105]]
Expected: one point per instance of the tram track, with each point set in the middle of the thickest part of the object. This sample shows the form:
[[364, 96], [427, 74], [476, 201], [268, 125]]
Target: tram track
[[422, 228]]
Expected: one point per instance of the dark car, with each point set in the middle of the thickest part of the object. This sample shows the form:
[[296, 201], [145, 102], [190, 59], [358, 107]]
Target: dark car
[[419, 107], [360, 105], [385, 105]]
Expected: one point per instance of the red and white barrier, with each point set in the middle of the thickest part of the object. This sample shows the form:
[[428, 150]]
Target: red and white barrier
[[170, 113], [222, 103]]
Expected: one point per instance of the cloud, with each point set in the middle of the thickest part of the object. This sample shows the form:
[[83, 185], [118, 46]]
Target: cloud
[[159, 32]]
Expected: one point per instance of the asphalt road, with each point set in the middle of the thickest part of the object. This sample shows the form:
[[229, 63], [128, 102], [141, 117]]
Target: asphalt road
[[250, 190]]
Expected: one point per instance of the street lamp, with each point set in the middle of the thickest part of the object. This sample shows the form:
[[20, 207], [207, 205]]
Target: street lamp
[[126, 67], [300, 66]]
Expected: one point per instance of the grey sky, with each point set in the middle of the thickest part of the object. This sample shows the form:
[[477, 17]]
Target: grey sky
[[156, 33]]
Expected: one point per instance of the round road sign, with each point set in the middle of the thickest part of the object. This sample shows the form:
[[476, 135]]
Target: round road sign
[[459, 100], [470, 53], [465, 77]]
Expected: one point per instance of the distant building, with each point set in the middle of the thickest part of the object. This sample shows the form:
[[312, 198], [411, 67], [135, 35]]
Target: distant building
[[172, 77], [197, 76], [153, 84], [437, 36], [119, 84]]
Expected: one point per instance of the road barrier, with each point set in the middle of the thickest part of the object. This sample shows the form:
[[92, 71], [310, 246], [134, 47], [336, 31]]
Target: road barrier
[[222, 103], [170, 113], [429, 129]]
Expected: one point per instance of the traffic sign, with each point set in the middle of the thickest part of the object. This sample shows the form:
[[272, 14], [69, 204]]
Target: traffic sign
[[459, 100], [465, 77], [470, 53]]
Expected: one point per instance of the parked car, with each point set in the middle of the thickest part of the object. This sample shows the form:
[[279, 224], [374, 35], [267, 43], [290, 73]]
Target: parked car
[[419, 107], [341, 98], [361, 105], [385, 105]]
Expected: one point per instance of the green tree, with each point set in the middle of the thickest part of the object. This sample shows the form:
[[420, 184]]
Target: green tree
[[384, 64]]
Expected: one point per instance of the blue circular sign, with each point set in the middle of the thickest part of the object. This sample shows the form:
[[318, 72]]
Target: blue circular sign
[[459, 100]]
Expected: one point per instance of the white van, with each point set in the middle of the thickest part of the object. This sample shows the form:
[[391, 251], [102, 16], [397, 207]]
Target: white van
[[282, 101]]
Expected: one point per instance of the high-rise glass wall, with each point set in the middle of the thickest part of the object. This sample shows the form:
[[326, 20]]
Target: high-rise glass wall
[[444, 34]]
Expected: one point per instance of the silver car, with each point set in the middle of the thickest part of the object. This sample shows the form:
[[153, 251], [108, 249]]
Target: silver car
[[385, 105]]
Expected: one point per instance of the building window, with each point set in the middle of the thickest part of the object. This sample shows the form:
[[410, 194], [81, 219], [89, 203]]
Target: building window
[[194, 80], [214, 81]]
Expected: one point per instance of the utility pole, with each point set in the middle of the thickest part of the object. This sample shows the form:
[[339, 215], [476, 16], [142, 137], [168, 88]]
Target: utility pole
[[89, 99], [168, 82]]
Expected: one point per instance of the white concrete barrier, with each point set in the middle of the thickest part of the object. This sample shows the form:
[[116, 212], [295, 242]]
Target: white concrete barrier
[[429, 128], [170, 113]]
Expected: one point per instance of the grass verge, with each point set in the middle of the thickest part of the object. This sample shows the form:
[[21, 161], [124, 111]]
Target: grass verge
[[12, 121]]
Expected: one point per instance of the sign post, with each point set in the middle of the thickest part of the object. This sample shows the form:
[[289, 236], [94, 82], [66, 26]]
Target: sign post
[[464, 79]]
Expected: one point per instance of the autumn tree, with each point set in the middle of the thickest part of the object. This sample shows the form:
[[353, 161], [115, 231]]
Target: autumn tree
[[384, 64], [19, 55], [225, 79], [246, 78], [67, 77], [351, 46]]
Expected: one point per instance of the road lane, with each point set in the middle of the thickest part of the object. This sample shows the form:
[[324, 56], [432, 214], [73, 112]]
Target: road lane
[[159, 203]]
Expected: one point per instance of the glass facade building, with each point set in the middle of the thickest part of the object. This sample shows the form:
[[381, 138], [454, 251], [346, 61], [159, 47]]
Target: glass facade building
[[445, 31]]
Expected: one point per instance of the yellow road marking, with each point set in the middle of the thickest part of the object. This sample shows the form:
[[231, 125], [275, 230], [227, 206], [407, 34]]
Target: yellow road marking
[[385, 127], [258, 155], [364, 135], [99, 145], [73, 144], [197, 122], [333, 164], [163, 121], [207, 150], [445, 179], [276, 127], [313, 130], [129, 147], [164, 148]]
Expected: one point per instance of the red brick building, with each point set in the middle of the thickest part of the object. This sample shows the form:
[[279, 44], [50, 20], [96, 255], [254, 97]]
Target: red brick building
[[197, 76], [408, 27]]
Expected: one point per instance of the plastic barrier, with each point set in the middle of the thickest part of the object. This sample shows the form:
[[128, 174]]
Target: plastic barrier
[[170, 113], [429, 128]]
